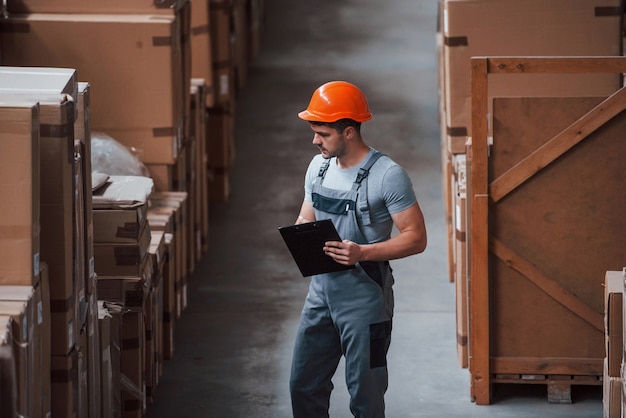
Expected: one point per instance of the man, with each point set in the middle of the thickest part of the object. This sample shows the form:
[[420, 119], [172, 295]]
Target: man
[[349, 312]]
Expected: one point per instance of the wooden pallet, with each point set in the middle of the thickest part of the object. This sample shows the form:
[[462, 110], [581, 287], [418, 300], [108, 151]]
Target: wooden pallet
[[559, 387]]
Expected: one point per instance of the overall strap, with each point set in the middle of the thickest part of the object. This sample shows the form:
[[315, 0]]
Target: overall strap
[[323, 169], [362, 199]]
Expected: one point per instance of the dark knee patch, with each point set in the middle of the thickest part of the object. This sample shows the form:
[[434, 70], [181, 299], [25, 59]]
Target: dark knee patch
[[380, 335]]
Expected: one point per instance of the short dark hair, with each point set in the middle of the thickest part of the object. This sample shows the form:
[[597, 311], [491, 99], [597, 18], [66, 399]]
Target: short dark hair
[[341, 124]]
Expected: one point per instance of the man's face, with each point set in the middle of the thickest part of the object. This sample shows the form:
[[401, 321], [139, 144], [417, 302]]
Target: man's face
[[328, 140]]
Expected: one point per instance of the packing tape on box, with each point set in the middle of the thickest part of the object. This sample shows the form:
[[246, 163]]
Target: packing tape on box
[[220, 5], [604, 11], [200, 30], [220, 65], [161, 41], [56, 131], [163, 132], [11, 27], [453, 41]]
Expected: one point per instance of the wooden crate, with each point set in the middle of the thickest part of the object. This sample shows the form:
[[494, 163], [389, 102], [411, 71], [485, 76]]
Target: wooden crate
[[545, 210]]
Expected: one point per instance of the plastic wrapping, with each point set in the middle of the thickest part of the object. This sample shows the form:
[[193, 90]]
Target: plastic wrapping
[[111, 157]]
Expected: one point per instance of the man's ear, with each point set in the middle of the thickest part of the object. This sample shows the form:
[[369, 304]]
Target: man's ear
[[348, 132]]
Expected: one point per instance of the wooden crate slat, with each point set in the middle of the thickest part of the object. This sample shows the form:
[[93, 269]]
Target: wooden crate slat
[[478, 268], [556, 366], [555, 65], [549, 286], [558, 145]]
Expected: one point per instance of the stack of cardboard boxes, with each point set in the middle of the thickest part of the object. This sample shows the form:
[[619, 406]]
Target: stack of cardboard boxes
[[19, 242], [90, 292], [614, 314], [470, 28], [8, 391], [125, 271], [56, 207]]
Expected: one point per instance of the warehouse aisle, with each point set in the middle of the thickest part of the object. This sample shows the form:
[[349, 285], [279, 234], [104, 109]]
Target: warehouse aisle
[[234, 340]]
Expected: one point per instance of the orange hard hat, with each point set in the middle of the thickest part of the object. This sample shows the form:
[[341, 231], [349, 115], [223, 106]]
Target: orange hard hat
[[337, 100]]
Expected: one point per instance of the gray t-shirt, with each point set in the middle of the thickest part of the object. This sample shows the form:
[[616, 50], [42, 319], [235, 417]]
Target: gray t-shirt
[[389, 190]]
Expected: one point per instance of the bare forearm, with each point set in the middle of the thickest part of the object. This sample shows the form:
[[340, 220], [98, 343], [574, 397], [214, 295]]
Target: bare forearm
[[400, 246], [307, 213]]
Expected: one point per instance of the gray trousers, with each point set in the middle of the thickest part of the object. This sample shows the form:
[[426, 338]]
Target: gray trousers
[[347, 314]]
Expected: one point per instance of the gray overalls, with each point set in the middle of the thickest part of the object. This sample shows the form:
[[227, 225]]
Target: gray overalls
[[347, 312]]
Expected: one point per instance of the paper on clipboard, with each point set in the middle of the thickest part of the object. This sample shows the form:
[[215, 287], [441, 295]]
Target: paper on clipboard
[[306, 242]]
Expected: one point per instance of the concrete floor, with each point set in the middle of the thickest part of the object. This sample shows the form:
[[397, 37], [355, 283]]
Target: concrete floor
[[234, 341]]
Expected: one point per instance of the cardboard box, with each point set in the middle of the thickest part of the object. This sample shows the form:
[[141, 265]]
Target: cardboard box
[[117, 313], [128, 292], [174, 212], [158, 255], [45, 83], [169, 299], [8, 388], [80, 235], [44, 318], [152, 351], [25, 339], [223, 71], [132, 365], [163, 224], [19, 171], [163, 176], [239, 42], [105, 366], [141, 58], [613, 321], [220, 137], [460, 259], [130, 295], [221, 152], [93, 358], [82, 132], [83, 374], [177, 202], [255, 13], [122, 259], [123, 192], [198, 89], [611, 394], [94, 6], [181, 169], [201, 48], [191, 152], [119, 225], [169, 177], [57, 208], [180, 200], [530, 28], [38, 318], [63, 322], [57, 189], [65, 385]]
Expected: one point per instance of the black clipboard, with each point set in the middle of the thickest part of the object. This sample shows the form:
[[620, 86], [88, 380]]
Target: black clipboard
[[306, 242]]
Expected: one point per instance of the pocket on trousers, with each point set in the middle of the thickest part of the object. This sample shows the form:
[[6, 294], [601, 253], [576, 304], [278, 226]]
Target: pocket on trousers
[[380, 337], [374, 269]]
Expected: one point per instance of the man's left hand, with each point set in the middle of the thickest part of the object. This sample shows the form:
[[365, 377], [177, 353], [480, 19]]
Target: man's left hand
[[343, 252]]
